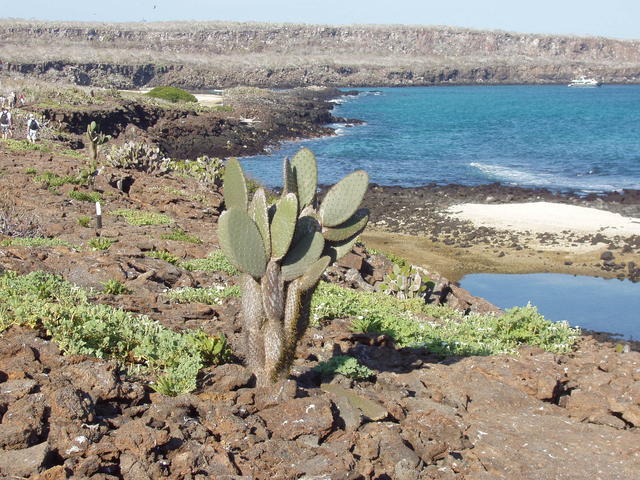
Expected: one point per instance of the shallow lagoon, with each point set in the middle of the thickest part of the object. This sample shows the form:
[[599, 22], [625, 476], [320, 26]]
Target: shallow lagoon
[[599, 304]]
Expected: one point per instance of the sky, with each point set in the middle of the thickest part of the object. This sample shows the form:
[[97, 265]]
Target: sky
[[608, 18]]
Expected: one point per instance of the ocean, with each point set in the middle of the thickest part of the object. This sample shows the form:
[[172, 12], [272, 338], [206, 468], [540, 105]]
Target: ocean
[[564, 139]]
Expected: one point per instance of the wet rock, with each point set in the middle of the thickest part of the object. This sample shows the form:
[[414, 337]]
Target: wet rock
[[607, 256]]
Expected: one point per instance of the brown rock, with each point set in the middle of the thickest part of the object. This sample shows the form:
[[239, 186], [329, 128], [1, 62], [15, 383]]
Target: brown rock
[[26, 462], [301, 416]]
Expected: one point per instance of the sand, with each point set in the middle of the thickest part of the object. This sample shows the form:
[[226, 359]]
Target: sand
[[540, 217]]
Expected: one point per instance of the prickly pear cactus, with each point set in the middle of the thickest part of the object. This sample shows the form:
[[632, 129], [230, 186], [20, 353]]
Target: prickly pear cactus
[[282, 250], [405, 282], [95, 139]]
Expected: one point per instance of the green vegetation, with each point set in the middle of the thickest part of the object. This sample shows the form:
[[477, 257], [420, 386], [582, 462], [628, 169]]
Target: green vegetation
[[84, 221], [396, 260], [35, 242], [52, 180], [406, 282], [171, 94], [31, 171], [25, 146], [115, 287], [449, 332], [344, 365], [79, 327], [73, 154], [85, 196], [205, 169], [164, 255], [210, 296], [141, 218], [100, 243], [215, 262], [179, 235]]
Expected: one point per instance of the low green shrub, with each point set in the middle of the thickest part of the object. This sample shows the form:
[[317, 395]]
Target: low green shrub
[[171, 94], [25, 145], [100, 243], [448, 332], [215, 262], [84, 221], [53, 180], [78, 327], [205, 169], [164, 255], [115, 287], [35, 242], [31, 171], [85, 196], [179, 235], [344, 365], [210, 296], [142, 218]]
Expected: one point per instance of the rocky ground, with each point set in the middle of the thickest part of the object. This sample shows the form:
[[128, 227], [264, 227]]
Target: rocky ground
[[535, 416]]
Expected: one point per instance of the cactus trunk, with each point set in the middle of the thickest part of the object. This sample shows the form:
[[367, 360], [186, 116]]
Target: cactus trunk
[[274, 319]]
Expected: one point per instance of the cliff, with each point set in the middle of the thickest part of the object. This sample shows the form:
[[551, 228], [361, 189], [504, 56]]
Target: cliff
[[210, 55]]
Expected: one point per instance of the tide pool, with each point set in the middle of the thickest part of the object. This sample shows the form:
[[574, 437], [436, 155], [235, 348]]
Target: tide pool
[[606, 305]]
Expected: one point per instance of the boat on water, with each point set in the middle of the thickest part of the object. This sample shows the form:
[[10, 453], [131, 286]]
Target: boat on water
[[584, 82]]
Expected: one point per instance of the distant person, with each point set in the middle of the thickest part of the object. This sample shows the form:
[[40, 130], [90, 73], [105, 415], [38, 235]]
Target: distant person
[[32, 128], [12, 100], [21, 99], [3, 101], [5, 122]]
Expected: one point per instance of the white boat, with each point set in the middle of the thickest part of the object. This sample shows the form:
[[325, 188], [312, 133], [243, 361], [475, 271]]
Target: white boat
[[584, 82]]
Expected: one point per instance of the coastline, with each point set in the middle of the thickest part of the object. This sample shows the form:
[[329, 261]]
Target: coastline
[[418, 223]]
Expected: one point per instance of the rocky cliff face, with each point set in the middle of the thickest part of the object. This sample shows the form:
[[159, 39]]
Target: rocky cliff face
[[209, 55]]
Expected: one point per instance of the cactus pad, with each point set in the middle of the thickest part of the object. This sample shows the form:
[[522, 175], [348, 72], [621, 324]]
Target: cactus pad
[[283, 225], [313, 274], [235, 186], [305, 170], [337, 250], [241, 242], [288, 178], [343, 199], [306, 224], [302, 256], [260, 214], [354, 225]]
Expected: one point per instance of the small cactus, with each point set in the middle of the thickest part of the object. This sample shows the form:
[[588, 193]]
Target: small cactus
[[95, 139], [405, 282], [282, 250]]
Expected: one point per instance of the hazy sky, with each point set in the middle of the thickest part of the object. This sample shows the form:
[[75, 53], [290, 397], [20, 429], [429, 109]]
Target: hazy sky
[[611, 18]]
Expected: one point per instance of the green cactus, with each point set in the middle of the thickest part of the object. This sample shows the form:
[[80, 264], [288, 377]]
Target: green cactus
[[95, 139], [283, 251], [405, 282]]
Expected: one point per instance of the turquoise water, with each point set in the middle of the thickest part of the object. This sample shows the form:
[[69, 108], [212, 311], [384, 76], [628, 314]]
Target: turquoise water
[[591, 303], [566, 139]]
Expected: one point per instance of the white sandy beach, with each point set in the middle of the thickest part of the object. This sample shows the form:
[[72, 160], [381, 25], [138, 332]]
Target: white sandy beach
[[538, 217]]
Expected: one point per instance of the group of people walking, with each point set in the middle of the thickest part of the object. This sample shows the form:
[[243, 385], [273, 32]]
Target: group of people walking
[[7, 121]]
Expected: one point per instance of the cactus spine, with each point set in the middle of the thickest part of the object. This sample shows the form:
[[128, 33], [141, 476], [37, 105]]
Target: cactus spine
[[282, 251]]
